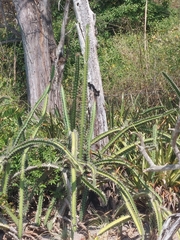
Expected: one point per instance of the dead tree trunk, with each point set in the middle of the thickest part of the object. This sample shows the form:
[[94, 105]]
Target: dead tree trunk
[[34, 18], [85, 17]]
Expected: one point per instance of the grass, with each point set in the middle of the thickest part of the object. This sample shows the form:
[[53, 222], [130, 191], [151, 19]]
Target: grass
[[126, 70]]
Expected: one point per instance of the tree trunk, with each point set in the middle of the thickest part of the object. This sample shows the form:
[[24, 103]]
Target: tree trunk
[[34, 19], [85, 17], [41, 52]]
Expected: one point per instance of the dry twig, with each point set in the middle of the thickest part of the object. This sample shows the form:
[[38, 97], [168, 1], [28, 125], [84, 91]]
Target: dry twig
[[167, 167]]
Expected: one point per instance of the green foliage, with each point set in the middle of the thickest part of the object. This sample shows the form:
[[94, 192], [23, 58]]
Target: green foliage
[[12, 71], [44, 153], [128, 74], [5, 171], [76, 166], [10, 112], [127, 15], [73, 172]]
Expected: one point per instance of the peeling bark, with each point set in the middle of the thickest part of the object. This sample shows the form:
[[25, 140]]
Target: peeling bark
[[85, 17]]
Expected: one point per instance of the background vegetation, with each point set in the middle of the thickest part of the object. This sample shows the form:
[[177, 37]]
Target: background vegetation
[[138, 98]]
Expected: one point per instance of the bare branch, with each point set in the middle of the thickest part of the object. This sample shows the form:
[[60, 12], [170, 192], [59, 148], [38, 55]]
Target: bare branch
[[142, 149], [59, 61], [59, 49], [30, 168], [167, 167], [158, 168], [170, 227]]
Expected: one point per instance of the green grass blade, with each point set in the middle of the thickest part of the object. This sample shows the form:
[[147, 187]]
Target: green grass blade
[[39, 207], [5, 179], [21, 194], [91, 130], [157, 210], [130, 127], [149, 110], [130, 204], [172, 84], [130, 147], [74, 151], [31, 114], [75, 93], [116, 222], [49, 210], [65, 111], [11, 214], [94, 189]]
